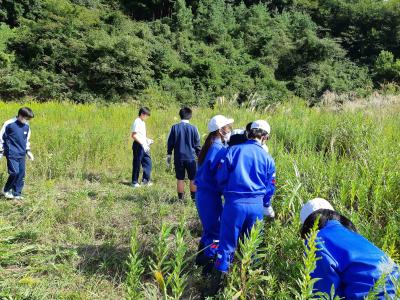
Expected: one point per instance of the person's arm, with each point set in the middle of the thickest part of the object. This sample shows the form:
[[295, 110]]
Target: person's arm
[[28, 145], [2, 133], [197, 145], [325, 272], [270, 184], [223, 169], [171, 141]]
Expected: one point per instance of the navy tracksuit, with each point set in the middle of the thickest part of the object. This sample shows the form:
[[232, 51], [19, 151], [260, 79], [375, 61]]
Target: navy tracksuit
[[351, 263], [247, 173], [209, 197], [140, 157], [184, 140], [14, 141]]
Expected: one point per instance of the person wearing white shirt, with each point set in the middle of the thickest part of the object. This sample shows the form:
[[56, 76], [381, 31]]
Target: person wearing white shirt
[[141, 149]]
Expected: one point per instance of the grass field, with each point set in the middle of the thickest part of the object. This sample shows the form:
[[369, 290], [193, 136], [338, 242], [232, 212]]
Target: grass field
[[71, 236]]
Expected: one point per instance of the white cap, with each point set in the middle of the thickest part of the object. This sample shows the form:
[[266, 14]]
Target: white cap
[[313, 205], [217, 122], [261, 124], [237, 131]]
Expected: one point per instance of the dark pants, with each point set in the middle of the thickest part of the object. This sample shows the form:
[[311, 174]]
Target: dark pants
[[16, 171], [140, 158]]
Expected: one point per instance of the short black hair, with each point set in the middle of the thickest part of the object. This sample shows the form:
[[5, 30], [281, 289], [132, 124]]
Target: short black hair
[[256, 133], [323, 216], [248, 127], [185, 113], [144, 111], [26, 112]]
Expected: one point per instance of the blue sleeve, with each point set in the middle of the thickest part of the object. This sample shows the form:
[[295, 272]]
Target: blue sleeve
[[197, 146], [325, 271], [270, 184], [217, 159], [223, 169], [171, 141]]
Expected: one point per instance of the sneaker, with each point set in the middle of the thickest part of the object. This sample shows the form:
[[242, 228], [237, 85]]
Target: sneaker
[[215, 283], [147, 183], [269, 212], [135, 185], [8, 195], [19, 197]]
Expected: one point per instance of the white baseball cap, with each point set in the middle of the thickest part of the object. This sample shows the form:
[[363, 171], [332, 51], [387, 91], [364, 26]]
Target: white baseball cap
[[261, 124], [237, 131], [312, 206], [217, 122]]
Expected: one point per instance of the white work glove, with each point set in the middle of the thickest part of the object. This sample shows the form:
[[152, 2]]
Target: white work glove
[[269, 212], [1, 154], [168, 161], [150, 142], [146, 148], [30, 155]]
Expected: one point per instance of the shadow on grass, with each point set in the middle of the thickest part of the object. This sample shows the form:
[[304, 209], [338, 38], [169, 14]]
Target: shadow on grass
[[108, 260]]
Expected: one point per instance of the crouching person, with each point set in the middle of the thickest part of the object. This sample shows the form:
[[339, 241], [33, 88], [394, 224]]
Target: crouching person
[[15, 146], [346, 260], [247, 174]]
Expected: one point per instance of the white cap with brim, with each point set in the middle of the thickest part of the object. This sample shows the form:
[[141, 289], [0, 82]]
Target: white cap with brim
[[312, 206], [261, 124], [217, 122], [238, 131]]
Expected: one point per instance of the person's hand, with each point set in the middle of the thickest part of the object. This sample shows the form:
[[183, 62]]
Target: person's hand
[[30, 155], [146, 148], [1, 154], [168, 161], [150, 142]]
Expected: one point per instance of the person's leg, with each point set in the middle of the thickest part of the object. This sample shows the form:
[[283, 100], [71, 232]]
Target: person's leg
[[13, 168], [209, 207], [137, 157], [191, 170], [233, 217], [254, 214], [180, 178], [19, 181], [146, 165], [180, 188]]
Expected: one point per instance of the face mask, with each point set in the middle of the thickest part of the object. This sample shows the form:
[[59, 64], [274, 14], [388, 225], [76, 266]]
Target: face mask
[[24, 121], [226, 136]]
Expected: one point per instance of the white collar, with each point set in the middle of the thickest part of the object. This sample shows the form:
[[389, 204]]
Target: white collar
[[185, 121]]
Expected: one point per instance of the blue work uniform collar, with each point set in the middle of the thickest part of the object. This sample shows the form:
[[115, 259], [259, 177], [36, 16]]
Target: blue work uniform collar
[[218, 141], [255, 142]]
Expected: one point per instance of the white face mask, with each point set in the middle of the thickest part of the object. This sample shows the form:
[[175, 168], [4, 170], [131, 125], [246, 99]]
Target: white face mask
[[226, 135], [23, 121]]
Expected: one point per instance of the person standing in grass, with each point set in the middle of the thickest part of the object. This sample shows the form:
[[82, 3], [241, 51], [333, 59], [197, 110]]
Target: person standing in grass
[[15, 146], [141, 149], [209, 195], [247, 173], [184, 141], [345, 259]]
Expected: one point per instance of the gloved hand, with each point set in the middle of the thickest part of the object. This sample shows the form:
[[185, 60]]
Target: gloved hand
[[269, 212], [30, 155], [146, 148], [1, 154], [168, 160], [150, 142]]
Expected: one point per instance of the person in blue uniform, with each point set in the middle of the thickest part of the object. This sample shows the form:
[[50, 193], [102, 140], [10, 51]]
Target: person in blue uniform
[[346, 260], [15, 146], [184, 141], [247, 173], [209, 194]]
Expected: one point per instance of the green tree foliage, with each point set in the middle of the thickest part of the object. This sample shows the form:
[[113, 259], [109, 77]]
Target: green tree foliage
[[194, 51]]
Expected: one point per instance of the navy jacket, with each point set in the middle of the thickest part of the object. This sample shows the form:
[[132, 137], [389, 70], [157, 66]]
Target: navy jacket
[[184, 140], [14, 138], [206, 172], [351, 263], [247, 171]]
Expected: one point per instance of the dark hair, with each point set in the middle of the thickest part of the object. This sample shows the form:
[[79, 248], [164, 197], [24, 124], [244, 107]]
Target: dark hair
[[237, 139], [248, 127], [206, 146], [185, 113], [26, 112], [144, 111], [324, 216], [256, 133]]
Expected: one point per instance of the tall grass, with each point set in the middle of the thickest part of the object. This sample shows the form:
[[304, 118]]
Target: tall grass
[[78, 214]]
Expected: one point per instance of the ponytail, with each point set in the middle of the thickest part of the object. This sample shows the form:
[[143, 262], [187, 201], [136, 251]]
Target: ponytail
[[207, 144]]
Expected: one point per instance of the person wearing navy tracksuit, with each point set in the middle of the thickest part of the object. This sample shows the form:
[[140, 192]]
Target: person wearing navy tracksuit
[[247, 173], [15, 145], [184, 140], [346, 260], [209, 195]]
